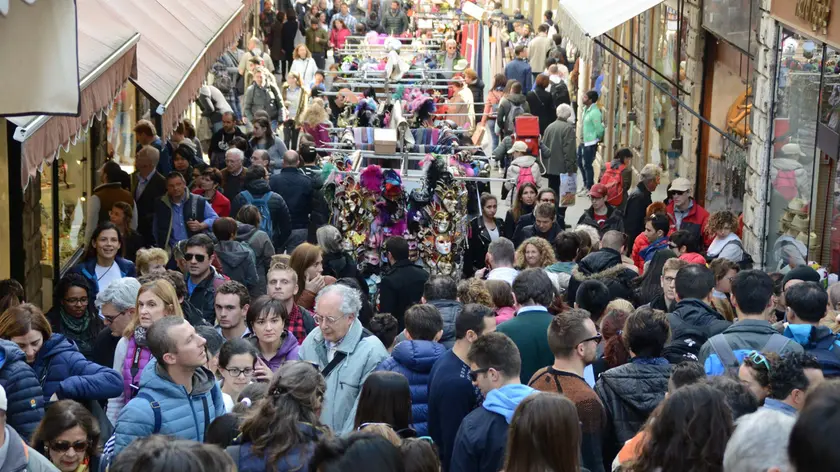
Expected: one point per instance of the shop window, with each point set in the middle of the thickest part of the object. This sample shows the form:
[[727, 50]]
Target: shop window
[[735, 21], [795, 157], [121, 120], [669, 56], [73, 187]]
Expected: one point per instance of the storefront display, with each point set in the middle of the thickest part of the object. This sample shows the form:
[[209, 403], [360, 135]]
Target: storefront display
[[669, 56]]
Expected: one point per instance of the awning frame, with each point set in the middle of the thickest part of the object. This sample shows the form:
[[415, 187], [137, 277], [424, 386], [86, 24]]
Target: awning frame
[[23, 132]]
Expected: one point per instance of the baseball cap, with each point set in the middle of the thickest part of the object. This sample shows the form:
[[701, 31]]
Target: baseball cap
[[598, 191], [518, 146], [681, 185]]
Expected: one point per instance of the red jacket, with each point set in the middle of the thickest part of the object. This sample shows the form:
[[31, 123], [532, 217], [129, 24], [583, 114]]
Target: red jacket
[[220, 203], [338, 37], [695, 221], [639, 245]]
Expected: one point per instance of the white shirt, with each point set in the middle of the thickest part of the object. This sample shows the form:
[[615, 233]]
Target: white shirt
[[106, 275], [494, 233], [508, 274]]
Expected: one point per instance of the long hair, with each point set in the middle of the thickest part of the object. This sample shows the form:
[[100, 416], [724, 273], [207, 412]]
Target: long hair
[[19, 320], [295, 395], [537, 423], [303, 257], [62, 416], [689, 434], [612, 325], [163, 290], [517, 201], [650, 284], [315, 113], [385, 398], [544, 248], [11, 294]]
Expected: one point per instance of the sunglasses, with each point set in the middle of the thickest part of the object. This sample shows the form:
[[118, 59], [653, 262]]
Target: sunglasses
[[198, 257], [475, 373], [758, 358], [677, 192], [597, 338], [64, 446]]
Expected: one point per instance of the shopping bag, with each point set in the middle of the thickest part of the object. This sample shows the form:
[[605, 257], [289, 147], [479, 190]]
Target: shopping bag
[[478, 135], [568, 189]]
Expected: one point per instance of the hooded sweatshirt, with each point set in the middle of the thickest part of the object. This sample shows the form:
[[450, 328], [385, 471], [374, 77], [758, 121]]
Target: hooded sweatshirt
[[820, 342], [238, 263], [288, 351], [481, 439], [524, 162]]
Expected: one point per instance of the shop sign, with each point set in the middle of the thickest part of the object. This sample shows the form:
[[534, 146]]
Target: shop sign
[[815, 13]]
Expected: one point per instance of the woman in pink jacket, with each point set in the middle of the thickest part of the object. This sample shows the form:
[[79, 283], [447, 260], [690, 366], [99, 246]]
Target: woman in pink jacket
[[338, 34]]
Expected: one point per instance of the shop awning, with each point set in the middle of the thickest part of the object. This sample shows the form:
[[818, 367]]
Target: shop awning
[[4, 6], [581, 19], [38, 58], [107, 59], [181, 39]]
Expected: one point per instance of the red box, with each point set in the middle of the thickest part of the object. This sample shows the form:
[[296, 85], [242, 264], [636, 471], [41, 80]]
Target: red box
[[527, 127]]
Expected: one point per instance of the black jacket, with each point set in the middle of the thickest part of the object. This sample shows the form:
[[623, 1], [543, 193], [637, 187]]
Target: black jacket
[[604, 265], [634, 212], [531, 231], [154, 189], [340, 265], [511, 223], [297, 190], [527, 220], [630, 392], [615, 220], [542, 105], [478, 242], [280, 217], [449, 311], [477, 89], [401, 287], [480, 443], [696, 320], [203, 297]]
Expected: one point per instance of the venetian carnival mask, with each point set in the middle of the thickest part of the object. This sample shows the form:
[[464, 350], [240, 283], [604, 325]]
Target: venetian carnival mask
[[445, 267], [443, 244], [372, 258], [413, 252], [442, 221]]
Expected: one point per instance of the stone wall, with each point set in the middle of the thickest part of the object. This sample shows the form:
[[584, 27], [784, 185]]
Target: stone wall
[[758, 161], [31, 232]]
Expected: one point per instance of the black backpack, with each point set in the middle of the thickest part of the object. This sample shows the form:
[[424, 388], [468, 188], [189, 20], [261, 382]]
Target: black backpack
[[560, 94], [686, 341]]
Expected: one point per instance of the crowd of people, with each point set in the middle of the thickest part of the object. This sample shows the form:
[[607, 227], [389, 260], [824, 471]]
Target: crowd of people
[[216, 322]]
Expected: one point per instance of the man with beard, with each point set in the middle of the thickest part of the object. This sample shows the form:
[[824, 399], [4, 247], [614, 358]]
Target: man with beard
[[573, 338]]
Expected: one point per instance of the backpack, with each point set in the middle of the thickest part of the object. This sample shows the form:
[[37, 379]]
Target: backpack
[[525, 175], [221, 79], [686, 341], [827, 352], [262, 205], [785, 184], [731, 359], [560, 94], [746, 262], [614, 183], [510, 119]]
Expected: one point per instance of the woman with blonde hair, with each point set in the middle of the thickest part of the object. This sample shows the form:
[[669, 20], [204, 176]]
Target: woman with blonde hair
[[307, 260], [316, 120], [152, 261], [534, 252], [295, 97], [154, 301], [474, 291], [303, 65]]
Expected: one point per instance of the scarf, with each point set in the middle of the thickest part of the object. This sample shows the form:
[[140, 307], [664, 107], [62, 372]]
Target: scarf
[[140, 336], [77, 330]]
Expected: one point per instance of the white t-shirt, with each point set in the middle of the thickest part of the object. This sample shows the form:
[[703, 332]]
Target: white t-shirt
[[494, 233], [106, 275], [228, 402]]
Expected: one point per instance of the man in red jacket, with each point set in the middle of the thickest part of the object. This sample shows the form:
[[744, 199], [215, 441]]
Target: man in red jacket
[[686, 213]]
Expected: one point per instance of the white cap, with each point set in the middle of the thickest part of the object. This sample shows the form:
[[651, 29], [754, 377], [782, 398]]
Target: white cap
[[518, 146], [4, 402]]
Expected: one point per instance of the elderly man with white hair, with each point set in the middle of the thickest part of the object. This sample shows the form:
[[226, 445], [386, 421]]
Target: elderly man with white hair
[[345, 353], [560, 138], [759, 443], [117, 304], [233, 175], [639, 199]]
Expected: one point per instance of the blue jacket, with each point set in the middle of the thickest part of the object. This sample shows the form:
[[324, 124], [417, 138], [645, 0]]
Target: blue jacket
[[87, 269], [295, 460], [182, 413], [520, 69], [297, 191], [64, 371], [23, 392], [414, 360], [482, 437]]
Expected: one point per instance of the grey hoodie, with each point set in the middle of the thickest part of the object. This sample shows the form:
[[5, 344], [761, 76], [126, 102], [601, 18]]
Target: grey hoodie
[[238, 263], [16, 456], [263, 249]]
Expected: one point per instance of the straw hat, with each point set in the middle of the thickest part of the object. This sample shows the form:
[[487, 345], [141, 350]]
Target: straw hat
[[797, 206], [800, 223]]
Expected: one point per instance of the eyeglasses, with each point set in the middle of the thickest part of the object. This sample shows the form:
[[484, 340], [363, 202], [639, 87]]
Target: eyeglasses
[[475, 373], [111, 319], [597, 338], [327, 319], [758, 358], [198, 257], [236, 371], [64, 446], [77, 301]]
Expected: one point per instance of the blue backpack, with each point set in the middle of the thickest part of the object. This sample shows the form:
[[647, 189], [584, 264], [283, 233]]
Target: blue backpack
[[724, 360], [262, 205], [827, 352]]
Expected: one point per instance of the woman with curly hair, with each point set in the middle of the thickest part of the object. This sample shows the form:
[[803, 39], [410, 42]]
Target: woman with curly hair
[[726, 244], [315, 122], [281, 431], [534, 253], [689, 434], [641, 242], [474, 291]]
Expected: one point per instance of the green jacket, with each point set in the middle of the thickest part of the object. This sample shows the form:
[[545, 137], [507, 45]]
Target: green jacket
[[528, 331], [593, 124], [317, 47]]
